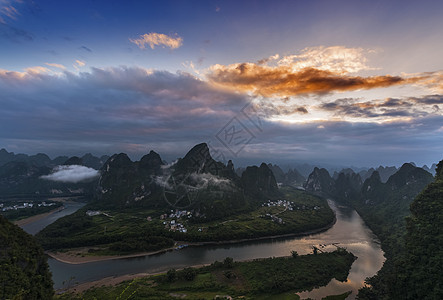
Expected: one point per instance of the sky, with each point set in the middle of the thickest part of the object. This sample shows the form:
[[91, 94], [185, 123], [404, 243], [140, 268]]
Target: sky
[[339, 82]]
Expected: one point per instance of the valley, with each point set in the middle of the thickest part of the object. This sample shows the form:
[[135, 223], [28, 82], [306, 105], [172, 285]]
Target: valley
[[124, 231]]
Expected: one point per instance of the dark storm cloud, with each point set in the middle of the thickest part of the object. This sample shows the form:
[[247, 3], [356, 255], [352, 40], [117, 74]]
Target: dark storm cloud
[[124, 107]]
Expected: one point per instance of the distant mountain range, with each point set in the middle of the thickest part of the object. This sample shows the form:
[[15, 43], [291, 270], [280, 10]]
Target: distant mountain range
[[42, 159], [21, 175], [348, 185]]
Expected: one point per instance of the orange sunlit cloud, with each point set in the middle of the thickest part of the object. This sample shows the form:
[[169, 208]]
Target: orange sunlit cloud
[[283, 81]]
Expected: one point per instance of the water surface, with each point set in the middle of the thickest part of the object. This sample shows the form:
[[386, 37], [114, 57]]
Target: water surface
[[70, 207]]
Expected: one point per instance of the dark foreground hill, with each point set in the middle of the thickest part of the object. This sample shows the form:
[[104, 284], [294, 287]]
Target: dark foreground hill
[[24, 272]]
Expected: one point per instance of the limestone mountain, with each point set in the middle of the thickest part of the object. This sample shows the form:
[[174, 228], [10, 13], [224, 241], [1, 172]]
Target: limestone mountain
[[373, 189], [74, 160], [384, 172], [19, 178], [320, 181], [389, 202], [279, 174], [91, 161], [195, 181], [39, 159], [259, 180], [344, 171], [21, 174], [292, 177], [348, 185]]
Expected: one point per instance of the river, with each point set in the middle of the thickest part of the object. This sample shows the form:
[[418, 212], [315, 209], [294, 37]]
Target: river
[[349, 232]]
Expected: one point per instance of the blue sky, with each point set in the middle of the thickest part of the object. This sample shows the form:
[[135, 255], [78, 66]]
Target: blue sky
[[345, 82]]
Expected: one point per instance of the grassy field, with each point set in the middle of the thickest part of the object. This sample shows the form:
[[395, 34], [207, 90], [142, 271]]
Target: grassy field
[[272, 278], [135, 230]]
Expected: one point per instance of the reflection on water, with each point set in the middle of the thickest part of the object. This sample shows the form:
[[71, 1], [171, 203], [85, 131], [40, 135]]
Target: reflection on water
[[348, 232], [358, 239]]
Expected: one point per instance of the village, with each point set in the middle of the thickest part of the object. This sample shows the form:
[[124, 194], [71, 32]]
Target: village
[[175, 225], [25, 205], [288, 205]]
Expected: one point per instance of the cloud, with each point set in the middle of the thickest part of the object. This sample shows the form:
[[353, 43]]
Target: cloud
[[283, 81], [389, 107], [14, 34], [133, 109], [107, 110], [313, 71], [37, 70], [79, 63], [71, 174], [59, 66], [157, 39], [433, 80], [8, 10], [203, 180], [337, 59], [85, 48]]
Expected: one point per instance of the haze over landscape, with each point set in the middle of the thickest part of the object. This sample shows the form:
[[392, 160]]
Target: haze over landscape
[[354, 84]]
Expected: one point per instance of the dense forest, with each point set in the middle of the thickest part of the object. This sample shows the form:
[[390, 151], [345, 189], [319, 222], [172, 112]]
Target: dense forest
[[24, 272]]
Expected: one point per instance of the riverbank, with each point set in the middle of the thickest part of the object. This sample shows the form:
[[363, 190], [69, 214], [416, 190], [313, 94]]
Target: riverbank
[[247, 278], [115, 280], [80, 255], [36, 218]]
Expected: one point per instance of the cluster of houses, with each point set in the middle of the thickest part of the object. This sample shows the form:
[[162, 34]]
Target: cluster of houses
[[24, 206], [284, 203], [289, 205], [91, 213], [274, 218], [177, 214], [175, 225]]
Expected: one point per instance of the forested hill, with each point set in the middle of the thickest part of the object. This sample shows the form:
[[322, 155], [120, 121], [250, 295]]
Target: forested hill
[[423, 263], [414, 270], [24, 271]]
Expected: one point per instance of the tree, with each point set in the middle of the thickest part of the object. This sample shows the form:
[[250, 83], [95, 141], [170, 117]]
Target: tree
[[228, 262], [171, 275], [294, 254], [189, 273]]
